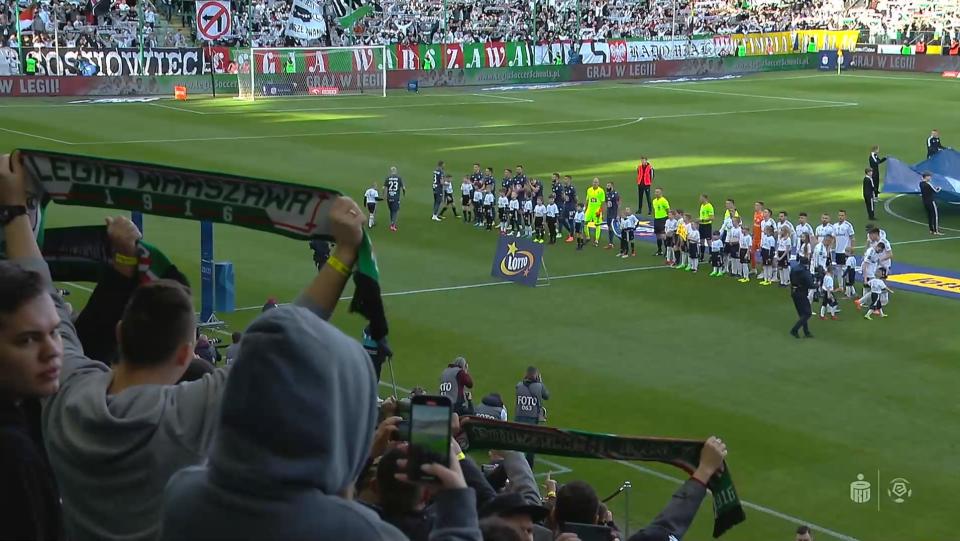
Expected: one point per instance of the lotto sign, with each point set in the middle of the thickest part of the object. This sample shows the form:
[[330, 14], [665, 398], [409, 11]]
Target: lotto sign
[[213, 19]]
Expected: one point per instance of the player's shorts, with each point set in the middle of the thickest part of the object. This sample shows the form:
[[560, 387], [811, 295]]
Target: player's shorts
[[502, 214], [849, 276], [840, 259], [465, 200], [593, 216], [659, 226], [693, 249], [782, 261], [766, 256], [371, 207], [733, 250], [706, 231], [669, 240], [515, 216], [882, 272], [448, 198], [628, 234], [538, 221], [745, 255], [578, 227], [488, 210], [715, 259], [527, 218]]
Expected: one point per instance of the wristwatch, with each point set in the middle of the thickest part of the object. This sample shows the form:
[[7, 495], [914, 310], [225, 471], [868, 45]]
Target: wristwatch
[[9, 212]]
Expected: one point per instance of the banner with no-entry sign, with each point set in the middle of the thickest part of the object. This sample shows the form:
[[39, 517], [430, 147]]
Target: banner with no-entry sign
[[213, 19]]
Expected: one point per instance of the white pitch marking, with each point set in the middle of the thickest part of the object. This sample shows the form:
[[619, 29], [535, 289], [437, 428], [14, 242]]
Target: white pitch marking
[[886, 207], [35, 136]]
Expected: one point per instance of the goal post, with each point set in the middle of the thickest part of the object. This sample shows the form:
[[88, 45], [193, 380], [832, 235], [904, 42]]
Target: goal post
[[313, 71]]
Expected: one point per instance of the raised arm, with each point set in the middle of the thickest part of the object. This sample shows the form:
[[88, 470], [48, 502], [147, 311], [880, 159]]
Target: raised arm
[[323, 292]]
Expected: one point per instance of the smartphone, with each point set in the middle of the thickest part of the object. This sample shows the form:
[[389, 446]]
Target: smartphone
[[429, 434], [588, 532]]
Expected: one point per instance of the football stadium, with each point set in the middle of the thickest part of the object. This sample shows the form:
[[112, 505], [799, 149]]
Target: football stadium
[[637, 269]]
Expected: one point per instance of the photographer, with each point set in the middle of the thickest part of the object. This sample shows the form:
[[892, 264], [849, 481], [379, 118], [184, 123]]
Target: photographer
[[454, 380], [531, 393]]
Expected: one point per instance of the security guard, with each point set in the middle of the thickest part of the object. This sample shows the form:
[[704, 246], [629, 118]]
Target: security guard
[[801, 281]]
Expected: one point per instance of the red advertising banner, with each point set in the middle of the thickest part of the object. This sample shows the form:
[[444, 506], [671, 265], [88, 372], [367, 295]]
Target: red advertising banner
[[452, 56], [408, 57]]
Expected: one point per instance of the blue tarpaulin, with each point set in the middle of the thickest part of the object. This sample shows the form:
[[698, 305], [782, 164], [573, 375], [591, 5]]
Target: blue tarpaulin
[[944, 166]]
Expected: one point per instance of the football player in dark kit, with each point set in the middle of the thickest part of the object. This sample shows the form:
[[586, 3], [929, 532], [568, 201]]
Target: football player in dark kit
[[869, 192], [394, 187], [801, 281], [438, 176]]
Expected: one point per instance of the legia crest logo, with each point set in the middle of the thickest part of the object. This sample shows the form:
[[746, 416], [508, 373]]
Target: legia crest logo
[[517, 261]]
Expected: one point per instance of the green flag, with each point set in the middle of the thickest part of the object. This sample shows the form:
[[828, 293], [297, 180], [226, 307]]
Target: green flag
[[347, 21], [518, 54]]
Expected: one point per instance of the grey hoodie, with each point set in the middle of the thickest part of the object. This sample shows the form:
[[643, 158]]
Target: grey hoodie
[[113, 454], [298, 417]]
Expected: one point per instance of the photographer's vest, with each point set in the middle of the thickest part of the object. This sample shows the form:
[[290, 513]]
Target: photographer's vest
[[488, 412], [528, 404], [449, 386]]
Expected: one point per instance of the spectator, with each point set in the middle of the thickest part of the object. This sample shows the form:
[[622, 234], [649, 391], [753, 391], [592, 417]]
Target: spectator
[[288, 470], [31, 356], [804, 533], [205, 350], [234, 348], [401, 503], [269, 305], [31, 353], [491, 407], [498, 529], [515, 509], [576, 502]]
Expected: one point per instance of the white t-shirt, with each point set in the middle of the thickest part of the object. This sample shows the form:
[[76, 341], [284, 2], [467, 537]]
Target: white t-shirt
[[824, 230], [870, 261], [488, 199], [540, 211], [768, 242], [851, 262], [876, 285], [503, 202], [514, 204], [552, 210], [447, 187], [768, 223], [716, 246], [478, 196], [733, 236], [784, 244], [746, 241], [805, 228], [629, 222], [693, 234], [827, 284], [527, 206], [579, 217], [371, 195], [844, 232], [670, 226], [466, 188], [820, 256]]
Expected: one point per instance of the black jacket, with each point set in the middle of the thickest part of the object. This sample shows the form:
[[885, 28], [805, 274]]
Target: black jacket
[[29, 499]]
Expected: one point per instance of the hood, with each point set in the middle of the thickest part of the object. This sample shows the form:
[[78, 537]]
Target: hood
[[299, 409], [493, 399]]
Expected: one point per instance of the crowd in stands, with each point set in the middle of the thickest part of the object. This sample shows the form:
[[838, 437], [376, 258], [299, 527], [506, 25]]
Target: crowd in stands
[[88, 24], [262, 23]]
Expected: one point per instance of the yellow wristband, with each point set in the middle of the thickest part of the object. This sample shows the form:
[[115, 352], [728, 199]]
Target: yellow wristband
[[551, 494], [461, 456], [338, 266], [125, 260]]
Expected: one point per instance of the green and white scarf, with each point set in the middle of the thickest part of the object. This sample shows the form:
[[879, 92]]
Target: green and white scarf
[[485, 434], [291, 210]]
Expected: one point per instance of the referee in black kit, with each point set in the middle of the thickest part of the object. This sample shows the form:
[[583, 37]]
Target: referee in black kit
[[927, 192]]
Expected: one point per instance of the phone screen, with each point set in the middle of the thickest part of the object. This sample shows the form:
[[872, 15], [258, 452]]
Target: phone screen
[[429, 433]]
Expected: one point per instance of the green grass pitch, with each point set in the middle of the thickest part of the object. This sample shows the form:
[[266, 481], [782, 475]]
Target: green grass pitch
[[651, 351]]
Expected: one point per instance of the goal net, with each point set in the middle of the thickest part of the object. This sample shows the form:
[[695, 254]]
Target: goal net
[[312, 71]]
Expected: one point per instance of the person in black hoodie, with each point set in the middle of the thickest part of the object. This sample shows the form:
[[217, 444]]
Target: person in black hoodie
[[31, 354]]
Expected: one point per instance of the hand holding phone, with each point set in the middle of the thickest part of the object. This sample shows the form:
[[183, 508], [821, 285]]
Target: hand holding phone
[[430, 435]]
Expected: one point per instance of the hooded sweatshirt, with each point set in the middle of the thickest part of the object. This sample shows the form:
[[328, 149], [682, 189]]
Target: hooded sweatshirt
[[113, 454], [298, 417]]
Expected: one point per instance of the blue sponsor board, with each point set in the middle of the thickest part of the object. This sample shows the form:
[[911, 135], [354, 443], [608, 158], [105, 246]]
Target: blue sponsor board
[[517, 260], [278, 89], [828, 60]]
